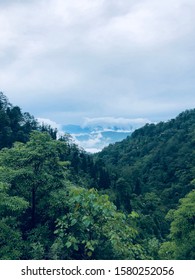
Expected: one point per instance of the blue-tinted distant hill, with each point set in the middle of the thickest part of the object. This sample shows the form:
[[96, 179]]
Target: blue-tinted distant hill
[[95, 137]]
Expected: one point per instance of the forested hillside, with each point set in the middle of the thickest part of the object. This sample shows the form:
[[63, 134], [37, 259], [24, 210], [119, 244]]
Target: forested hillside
[[150, 172], [134, 200]]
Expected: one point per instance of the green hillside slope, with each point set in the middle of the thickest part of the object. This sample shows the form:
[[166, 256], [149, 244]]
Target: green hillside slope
[[151, 170]]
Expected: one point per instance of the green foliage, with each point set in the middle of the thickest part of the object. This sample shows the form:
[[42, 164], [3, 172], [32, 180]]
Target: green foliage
[[10, 204], [44, 214], [151, 170], [10, 242], [11, 208], [37, 243], [32, 170], [82, 169], [181, 244], [94, 229], [14, 125]]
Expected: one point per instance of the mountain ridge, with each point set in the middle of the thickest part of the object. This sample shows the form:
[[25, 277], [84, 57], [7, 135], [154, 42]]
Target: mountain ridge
[[95, 136]]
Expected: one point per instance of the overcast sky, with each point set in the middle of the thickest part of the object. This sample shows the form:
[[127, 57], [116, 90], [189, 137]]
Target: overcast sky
[[75, 60]]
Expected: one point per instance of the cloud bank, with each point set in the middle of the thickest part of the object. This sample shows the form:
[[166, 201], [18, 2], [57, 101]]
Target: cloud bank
[[72, 60], [106, 122], [96, 133]]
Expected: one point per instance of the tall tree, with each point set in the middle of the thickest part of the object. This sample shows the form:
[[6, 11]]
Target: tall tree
[[92, 228], [33, 170]]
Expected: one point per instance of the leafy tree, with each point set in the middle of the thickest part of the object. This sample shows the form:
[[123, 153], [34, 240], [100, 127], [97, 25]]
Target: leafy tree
[[14, 125], [11, 208], [181, 244], [92, 228], [47, 128], [33, 170]]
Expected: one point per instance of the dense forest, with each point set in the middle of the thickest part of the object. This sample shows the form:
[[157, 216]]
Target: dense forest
[[133, 200]]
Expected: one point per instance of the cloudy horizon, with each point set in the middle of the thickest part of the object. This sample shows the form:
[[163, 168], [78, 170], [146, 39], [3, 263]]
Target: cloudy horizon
[[72, 61]]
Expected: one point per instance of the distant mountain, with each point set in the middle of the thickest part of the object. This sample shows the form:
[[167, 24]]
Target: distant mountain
[[94, 139], [95, 134]]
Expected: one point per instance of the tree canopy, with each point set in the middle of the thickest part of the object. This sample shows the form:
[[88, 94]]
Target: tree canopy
[[133, 200]]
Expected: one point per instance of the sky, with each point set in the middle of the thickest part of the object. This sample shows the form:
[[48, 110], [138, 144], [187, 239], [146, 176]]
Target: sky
[[78, 61]]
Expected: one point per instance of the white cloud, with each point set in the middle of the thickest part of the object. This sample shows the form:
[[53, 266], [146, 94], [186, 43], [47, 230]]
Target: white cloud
[[105, 122], [146, 24], [93, 144], [49, 122], [53, 125], [68, 60]]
